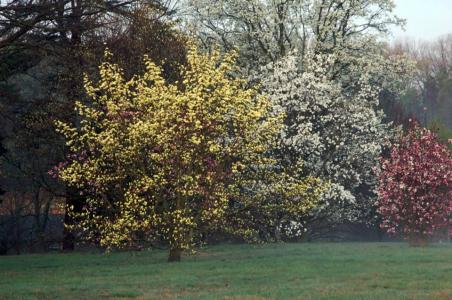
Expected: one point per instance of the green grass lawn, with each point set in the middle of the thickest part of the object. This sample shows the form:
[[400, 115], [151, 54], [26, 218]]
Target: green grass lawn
[[286, 271]]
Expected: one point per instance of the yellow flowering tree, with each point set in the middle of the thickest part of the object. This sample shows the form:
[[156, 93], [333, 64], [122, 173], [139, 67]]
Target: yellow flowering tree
[[160, 161]]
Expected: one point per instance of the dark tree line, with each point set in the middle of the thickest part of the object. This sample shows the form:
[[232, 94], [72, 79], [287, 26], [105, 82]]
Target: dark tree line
[[429, 94], [46, 47]]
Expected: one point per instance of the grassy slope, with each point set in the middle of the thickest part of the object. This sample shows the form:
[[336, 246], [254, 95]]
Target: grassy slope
[[288, 271]]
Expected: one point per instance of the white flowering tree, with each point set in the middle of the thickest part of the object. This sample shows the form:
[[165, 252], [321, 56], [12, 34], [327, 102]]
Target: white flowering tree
[[265, 30], [337, 129]]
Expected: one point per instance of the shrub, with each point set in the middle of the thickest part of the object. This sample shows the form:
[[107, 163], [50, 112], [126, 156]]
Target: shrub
[[415, 196]]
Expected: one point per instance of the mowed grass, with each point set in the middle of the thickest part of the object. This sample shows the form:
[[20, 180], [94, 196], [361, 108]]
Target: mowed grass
[[284, 271]]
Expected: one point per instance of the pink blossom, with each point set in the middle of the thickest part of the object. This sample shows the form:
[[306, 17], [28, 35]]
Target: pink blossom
[[415, 194]]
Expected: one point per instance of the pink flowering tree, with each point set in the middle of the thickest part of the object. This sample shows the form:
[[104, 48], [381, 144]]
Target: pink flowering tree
[[415, 195]]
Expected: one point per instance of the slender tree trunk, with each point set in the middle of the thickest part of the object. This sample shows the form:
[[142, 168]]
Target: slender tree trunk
[[174, 254], [277, 232], [175, 249], [380, 234], [418, 240], [74, 200], [68, 236], [41, 216], [3, 247], [38, 240]]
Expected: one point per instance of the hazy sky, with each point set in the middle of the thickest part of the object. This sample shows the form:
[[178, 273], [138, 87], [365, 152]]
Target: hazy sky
[[426, 19]]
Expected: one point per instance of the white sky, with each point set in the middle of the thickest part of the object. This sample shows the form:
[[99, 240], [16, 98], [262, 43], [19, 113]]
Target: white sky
[[426, 19]]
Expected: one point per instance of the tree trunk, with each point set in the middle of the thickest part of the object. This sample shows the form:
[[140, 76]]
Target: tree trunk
[[380, 234], [41, 217], [74, 200], [3, 247], [174, 255], [418, 240], [277, 233], [68, 237]]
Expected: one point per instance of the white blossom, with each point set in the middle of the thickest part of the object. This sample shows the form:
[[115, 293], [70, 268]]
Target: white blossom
[[338, 132]]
